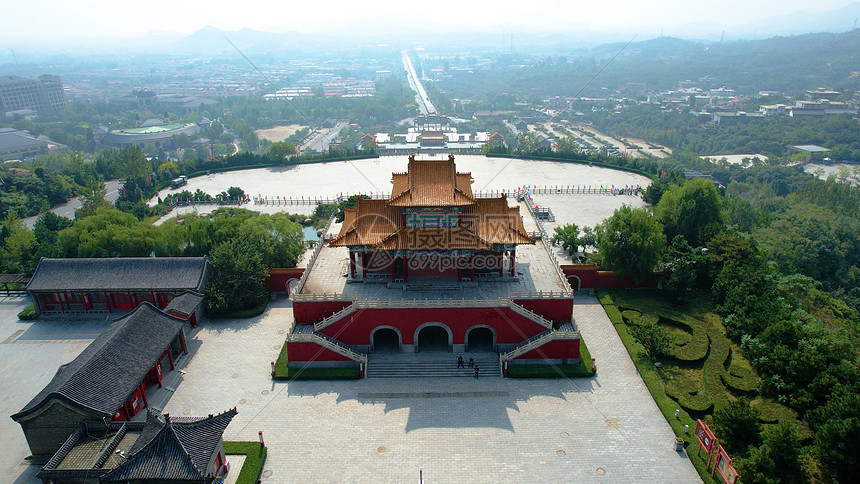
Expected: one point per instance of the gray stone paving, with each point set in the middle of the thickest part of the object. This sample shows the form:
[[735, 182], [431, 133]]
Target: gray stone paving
[[30, 354], [491, 430]]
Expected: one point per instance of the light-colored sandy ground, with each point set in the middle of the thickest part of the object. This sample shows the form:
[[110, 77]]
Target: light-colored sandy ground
[[278, 133]]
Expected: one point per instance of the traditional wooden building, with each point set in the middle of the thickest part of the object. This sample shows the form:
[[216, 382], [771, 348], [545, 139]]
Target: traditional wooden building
[[89, 285], [162, 449], [108, 380], [436, 267], [434, 224]]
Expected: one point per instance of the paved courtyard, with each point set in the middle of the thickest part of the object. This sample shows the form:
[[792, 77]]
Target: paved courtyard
[[603, 429]]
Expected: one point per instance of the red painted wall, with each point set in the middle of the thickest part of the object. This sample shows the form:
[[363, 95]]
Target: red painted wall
[[510, 327], [312, 312], [552, 309], [591, 278], [558, 349], [279, 276], [312, 352]]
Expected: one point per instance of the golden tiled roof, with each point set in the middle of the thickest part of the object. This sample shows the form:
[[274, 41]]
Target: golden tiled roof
[[483, 222], [431, 183]]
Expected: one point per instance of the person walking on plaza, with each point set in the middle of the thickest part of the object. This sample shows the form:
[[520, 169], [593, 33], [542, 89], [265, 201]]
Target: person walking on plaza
[[471, 362], [460, 362], [476, 372]]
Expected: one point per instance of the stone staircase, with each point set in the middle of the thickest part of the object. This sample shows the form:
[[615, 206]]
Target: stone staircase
[[431, 365]]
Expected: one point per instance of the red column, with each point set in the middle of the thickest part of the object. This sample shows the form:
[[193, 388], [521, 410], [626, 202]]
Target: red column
[[143, 394], [394, 268], [108, 302], [170, 357], [406, 269], [472, 267], [513, 263], [351, 265]]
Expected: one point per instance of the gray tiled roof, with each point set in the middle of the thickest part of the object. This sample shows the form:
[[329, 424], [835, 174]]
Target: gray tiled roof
[[185, 303], [178, 450], [104, 375], [122, 273]]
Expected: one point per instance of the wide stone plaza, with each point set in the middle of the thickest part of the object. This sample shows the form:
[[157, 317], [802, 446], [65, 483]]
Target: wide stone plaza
[[601, 429]]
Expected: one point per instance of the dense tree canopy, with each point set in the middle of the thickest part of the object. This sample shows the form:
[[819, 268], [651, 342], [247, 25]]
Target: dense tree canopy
[[631, 241]]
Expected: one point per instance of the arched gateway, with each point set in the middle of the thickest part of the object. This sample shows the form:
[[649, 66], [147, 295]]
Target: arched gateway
[[385, 340], [433, 337], [480, 338]]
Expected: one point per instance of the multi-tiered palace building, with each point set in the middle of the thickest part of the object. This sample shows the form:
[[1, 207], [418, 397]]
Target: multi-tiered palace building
[[433, 268]]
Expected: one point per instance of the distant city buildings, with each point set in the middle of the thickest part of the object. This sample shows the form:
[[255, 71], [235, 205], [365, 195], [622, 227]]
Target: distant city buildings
[[328, 85], [151, 132], [147, 100], [18, 145], [431, 133], [19, 93]]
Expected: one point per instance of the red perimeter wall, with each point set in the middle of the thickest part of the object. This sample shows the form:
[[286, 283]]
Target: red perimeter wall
[[552, 309], [313, 352], [591, 278], [312, 312], [558, 349], [510, 327], [279, 276]]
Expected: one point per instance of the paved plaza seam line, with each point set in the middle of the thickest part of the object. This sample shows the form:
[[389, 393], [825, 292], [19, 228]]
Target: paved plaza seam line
[[434, 395], [12, 337]]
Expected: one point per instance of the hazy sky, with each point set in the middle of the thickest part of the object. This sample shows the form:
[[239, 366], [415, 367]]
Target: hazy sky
[[84, 20]]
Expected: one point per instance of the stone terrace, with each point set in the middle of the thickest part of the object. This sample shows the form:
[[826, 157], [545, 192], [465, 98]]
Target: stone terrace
[[536, 272]]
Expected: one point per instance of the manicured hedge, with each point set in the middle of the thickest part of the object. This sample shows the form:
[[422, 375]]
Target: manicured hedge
[[654, 381], [255, 458], [28, 313]]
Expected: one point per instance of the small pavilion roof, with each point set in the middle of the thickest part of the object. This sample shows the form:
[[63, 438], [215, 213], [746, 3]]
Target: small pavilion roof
[[176, 449], [185, 303]]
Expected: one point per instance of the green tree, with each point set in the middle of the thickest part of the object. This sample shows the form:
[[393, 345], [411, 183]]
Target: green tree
[[18, 245], [568, 235], [680, 266], [92, 199], [737, 426], [630, 242], [652, 337], [777, 459], [238, 278], [110, 233], [691, 210], [280, 150], [837, 428]]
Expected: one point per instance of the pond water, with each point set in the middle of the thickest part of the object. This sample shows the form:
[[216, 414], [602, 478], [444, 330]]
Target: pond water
[[310, 233]]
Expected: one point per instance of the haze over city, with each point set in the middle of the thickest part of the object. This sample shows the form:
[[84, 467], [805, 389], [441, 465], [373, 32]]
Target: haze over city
[[100, 23]]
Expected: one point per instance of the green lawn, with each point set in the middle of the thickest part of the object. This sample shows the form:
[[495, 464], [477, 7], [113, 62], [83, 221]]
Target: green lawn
[[255, 457]]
